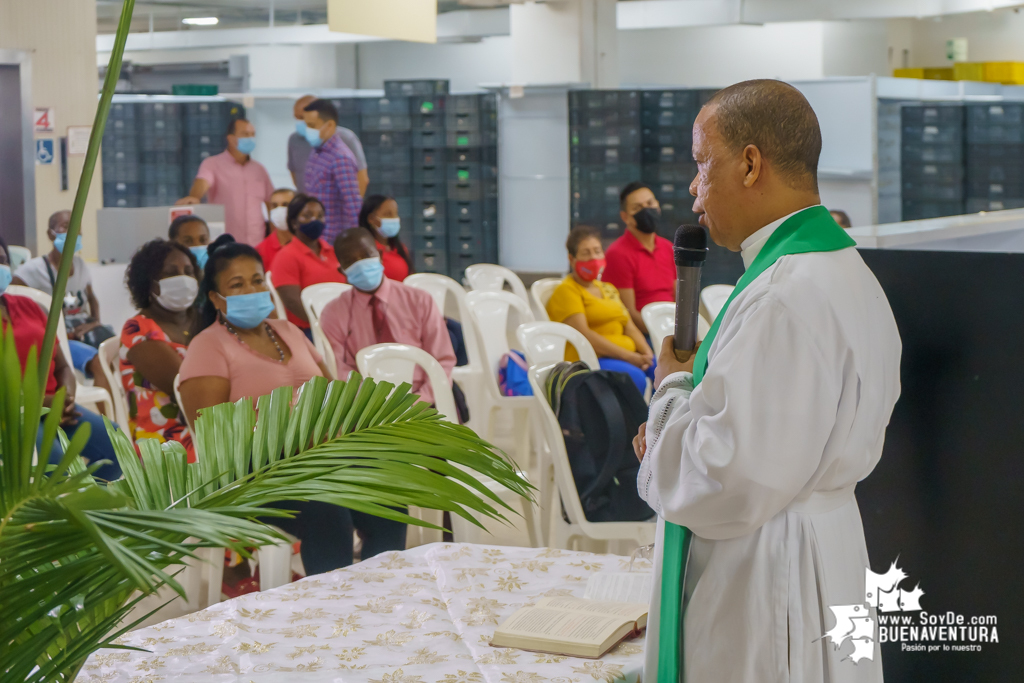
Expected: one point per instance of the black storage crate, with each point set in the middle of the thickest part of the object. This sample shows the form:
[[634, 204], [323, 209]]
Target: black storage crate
[[685, 100], [429, 174], [428, 139], [386, 122], [387, 156], [389, 188], [431, 261], [432, 226], [974, 205], [932, 153], [395, 139], [681, 136], [917, 209], [384, 105], [623, 100], [458, 138], [416, 88], [612, 136], [607, 156]]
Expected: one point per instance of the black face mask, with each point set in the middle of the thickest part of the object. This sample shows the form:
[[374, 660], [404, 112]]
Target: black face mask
[[647, 220], [312, 229]]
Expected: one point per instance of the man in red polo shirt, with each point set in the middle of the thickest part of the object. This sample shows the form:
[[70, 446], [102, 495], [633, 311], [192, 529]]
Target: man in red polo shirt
[[640, 263]]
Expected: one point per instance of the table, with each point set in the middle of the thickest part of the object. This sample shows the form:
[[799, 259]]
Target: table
[[424, 615]]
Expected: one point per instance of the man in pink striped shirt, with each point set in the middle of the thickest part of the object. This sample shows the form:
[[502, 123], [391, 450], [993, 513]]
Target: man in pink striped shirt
[[378, 310]]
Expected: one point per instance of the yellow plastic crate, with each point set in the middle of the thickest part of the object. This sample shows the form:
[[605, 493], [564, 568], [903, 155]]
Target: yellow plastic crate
[[908, 73], [932, 73], [969, 71], [1009, 73]]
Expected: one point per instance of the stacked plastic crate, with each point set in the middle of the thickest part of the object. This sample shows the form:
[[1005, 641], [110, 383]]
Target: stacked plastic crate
[[932, 160], [604, 155], [667, 118], [429, 179], [471, 141], [206, 125], [160, 140], [385, 134], [121, 157], [995, 156], [890, 209]]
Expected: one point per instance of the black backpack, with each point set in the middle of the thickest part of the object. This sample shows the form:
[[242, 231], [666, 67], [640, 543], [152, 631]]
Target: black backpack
[[599, 413]]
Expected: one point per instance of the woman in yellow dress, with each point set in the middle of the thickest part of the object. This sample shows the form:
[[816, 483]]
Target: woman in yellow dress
[[593, 307]]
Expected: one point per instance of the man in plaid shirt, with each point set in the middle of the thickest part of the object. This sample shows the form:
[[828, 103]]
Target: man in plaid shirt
[[332, 171]]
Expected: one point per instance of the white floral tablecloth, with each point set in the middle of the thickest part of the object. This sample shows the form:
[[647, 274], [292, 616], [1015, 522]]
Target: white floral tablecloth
[[425, 615]]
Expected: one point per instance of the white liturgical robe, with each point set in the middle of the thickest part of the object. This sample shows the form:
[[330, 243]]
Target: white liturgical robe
[[760, 463]]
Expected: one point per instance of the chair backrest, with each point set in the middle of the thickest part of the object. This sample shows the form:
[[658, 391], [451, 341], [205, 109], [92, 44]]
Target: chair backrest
[[540, 292], [17, 255], [279, 308], [439, 286], [314, 299], [552, 434], [488, 277], [110, 359], [660, 319], [544, 343], [713, 298], [181, 407], [490, 312], [396, 363], [44, 299]]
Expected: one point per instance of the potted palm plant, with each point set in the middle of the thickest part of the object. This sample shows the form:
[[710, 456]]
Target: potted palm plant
[[77, 554]]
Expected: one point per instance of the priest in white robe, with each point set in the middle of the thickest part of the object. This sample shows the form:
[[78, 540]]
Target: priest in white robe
[[760, 456]]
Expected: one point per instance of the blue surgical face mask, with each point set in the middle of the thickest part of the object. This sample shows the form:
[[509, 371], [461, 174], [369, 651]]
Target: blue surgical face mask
[[201, 253], [313, 137], [389, 227], [5, 278], [61, 238], [246, 311], [246, 145], [300, 128], [366, 274]]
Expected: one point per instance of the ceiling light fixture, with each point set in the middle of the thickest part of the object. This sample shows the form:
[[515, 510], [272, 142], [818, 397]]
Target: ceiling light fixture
[[201, 21]]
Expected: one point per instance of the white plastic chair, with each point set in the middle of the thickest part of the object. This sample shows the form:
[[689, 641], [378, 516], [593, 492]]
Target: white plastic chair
[[86, 393], [544, 343], [469, 376], [396, 363], [540, 293], [110, 359], [279, 309], [17, 255], [713, 298], [566, 534], [488, 277], [314, 299], [660, 319], [490, 312], [275, 561]]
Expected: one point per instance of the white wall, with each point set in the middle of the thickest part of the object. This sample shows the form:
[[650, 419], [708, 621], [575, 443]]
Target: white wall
[[466, 65], [855, 48], [714, 56], [991, 37]]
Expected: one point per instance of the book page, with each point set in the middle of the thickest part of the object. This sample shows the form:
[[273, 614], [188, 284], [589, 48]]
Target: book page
[[623, 611], [558, 625], [620, 586]]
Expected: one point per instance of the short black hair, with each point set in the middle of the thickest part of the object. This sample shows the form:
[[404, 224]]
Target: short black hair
[[371, 203], [144, 268], [841, 217], [52, 223], [221, 252], [296, 205], [326, 110], [776, 118], [630, 189], [233, 122], [172, 232], [350, 239], [577, 235]]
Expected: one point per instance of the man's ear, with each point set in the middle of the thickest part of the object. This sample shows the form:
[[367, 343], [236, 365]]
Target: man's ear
[[753, 163]]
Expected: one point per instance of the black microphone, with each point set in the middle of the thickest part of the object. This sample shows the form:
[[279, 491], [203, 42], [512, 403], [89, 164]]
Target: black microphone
[[691, 250]]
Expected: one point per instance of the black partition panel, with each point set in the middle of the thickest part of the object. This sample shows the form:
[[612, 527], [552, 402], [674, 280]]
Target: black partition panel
[[947, 498]]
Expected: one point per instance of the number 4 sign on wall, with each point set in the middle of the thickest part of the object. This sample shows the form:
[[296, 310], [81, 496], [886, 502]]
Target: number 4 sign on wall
[[44, 120]]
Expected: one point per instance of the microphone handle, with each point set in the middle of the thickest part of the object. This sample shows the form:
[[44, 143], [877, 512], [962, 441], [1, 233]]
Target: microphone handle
[[687, 307]]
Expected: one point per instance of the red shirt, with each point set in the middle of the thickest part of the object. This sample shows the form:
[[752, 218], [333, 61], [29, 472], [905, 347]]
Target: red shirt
[[296, 264], [395, 267], [269, 248], [29, 322], [651, 275]]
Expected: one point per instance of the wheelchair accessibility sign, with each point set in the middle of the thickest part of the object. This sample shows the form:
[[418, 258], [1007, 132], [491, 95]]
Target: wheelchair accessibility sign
[[44, 152]]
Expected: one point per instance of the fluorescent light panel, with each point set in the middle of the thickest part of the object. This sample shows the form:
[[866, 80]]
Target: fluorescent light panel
[[200, 21]]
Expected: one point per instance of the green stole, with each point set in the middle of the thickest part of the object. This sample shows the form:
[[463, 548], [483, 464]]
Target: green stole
[[809, 230]]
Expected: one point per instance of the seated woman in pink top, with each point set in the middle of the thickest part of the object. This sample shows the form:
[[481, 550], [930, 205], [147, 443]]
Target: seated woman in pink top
[[244, 352]]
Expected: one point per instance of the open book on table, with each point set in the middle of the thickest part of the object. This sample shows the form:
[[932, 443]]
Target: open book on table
[[576, 627]]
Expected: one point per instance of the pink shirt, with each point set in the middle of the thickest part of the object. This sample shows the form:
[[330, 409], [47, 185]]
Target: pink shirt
[[412, 316], [241, 188], [215, 352]]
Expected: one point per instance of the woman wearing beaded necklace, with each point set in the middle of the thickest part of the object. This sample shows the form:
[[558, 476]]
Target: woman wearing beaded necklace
[[243, 350]]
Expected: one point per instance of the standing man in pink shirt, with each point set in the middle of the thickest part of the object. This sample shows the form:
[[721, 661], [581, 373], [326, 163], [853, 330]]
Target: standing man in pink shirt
[[237, 181]]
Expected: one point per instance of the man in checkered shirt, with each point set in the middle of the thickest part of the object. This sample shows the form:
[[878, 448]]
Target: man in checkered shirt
[[332, 171]]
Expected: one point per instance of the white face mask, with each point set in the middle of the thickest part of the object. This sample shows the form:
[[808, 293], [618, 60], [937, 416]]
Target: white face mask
[[279, 217], [177, 293]]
